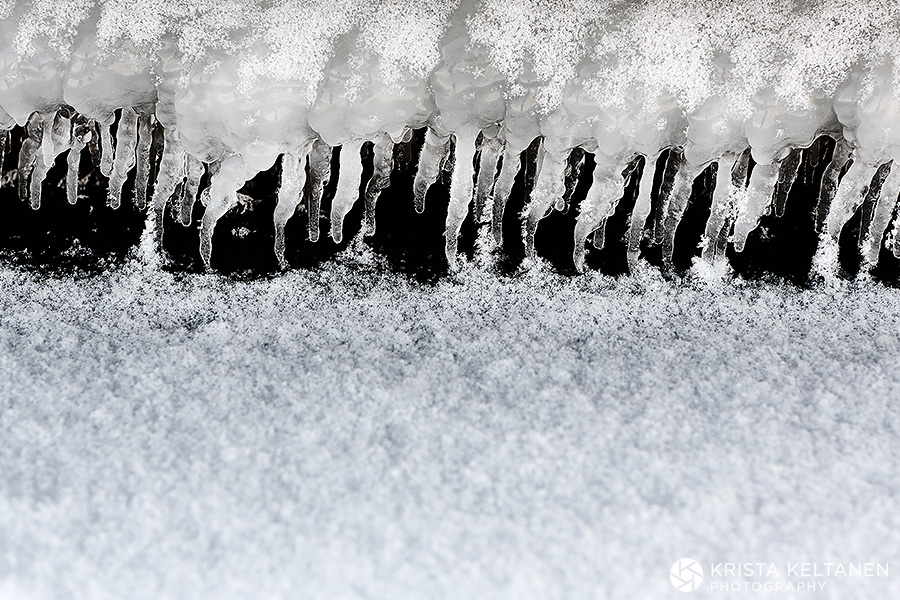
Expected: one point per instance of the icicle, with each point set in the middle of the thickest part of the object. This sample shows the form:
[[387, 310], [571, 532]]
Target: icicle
[[4, 140], [290, 195], [830, 179], [754, 201], [126, 140], [641, 210], [607, 189], [674, 161], [347, 192], [47, 155], [866, 211], [598, 239], [149, 250], [573, 172], [502, 189], [404, 150], [319, 174], [448, 163], [549, 187], [31, 145], [56, 139], [461, 190], [171, 175], [142, 177], [38, 174], [434, 152], [221, 196], [787, 175], [868, 205], [60, 135], [94, 145], [106, 145], [887, 200], [678, 200], [491, 149], [194, 171], [850, 194], [383, 161], [82, 132], [721, 212]]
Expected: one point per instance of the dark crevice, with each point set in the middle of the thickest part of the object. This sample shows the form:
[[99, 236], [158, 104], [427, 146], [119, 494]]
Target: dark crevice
[[412, 243], [690, 230], [785, 246], [613, 258], [60, 238], [554, 240], [513, 251]]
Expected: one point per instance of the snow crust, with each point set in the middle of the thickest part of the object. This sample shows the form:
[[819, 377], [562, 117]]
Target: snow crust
[[611, 55], [348, 433]]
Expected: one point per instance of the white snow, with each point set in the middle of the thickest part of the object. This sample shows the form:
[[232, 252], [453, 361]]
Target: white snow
[[348, 433]]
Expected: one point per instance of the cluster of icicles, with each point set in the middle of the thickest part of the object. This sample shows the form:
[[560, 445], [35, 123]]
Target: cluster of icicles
[[484, 168]]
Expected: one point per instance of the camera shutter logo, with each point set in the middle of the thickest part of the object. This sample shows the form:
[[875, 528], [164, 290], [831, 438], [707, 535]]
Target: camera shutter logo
[[686, 575]]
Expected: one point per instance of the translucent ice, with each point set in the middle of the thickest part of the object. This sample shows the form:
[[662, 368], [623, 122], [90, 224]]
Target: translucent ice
[[31, 145], [142, 179], [433, 152], [850, 194], [461, 189], [548, 188], [290, 195], [641, 210], [126, 142], [753, 202], [222, 196], [82, 133], [383, 161], [606, 191], [319, 174], [171, 176], [870, 242], [348, 187]]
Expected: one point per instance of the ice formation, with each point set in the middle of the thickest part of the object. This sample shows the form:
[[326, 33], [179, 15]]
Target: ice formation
[[228, 89]]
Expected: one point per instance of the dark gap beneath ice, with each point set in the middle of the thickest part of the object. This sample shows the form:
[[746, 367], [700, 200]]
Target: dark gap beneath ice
[[513, 251], [412, 243], [613, 259], [651, 251], [784, 246], [60, 238], [690, 230]]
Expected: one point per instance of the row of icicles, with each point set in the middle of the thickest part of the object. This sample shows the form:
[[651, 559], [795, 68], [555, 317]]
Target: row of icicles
[[738, 202]]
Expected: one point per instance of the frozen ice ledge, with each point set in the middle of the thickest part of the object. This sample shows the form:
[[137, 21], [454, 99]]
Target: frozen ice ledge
[[659, 94]]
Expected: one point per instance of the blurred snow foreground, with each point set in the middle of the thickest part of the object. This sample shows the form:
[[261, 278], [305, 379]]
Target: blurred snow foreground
[[232, 86], [346, 432]]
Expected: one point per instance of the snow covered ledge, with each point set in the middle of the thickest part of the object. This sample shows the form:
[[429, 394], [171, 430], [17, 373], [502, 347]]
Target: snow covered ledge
[[236, 85]]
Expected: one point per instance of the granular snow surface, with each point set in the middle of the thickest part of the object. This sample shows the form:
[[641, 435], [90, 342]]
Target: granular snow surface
[[351, 433]]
